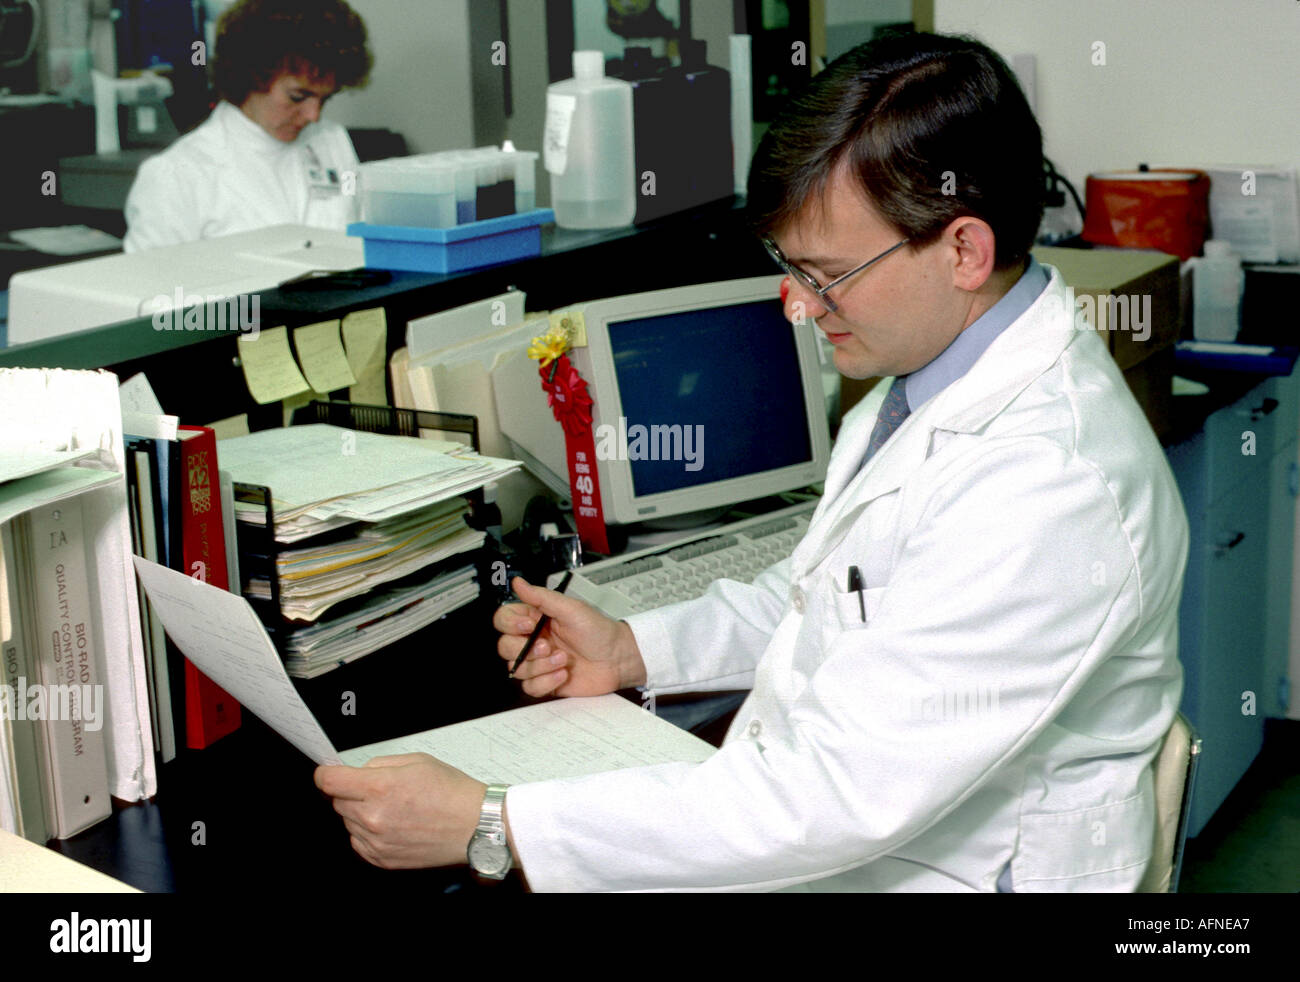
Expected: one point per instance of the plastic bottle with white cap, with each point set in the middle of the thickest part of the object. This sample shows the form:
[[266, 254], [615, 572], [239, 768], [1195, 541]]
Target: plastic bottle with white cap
[[1217, 284], [588, 148]]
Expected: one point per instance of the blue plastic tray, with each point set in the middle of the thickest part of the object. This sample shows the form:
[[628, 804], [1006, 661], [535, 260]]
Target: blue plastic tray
[[1278, 361], [448, 250]]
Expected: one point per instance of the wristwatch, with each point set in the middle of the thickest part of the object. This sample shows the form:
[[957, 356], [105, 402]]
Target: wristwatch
[[488, 853]]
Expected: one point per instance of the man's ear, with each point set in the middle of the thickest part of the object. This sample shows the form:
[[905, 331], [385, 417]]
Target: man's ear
[[973, 250]]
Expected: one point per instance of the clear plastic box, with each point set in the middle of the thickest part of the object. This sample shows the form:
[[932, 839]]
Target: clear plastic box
[[451, 187], [408, 191]]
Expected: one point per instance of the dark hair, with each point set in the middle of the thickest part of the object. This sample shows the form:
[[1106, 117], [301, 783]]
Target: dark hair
[[934, 127], [257, 40]]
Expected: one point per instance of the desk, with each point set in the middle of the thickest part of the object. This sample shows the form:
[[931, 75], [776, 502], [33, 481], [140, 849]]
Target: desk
[[261, 815], [253, 793]]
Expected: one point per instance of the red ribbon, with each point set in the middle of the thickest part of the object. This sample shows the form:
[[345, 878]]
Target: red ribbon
[[566, 394]]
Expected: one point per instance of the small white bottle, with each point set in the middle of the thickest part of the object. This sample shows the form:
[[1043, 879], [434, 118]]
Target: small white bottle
[[1217, 285], [588, 147]]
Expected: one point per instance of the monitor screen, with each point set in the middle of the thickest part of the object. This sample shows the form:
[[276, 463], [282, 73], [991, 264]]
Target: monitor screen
[[709, 395]]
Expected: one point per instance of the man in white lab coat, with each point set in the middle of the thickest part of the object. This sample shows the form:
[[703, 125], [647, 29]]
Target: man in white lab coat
[[977, 708], [264, 157]]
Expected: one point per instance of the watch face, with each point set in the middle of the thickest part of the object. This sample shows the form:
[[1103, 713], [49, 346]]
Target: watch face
[[488, 857]]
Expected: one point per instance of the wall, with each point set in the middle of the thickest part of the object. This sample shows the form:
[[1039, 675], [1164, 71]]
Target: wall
[[1185, 81], [420, 86]]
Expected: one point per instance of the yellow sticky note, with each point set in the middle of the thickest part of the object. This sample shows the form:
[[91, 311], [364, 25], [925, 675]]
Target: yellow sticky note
[[365, 338], [269, 368], [296, 402], [571, 321], [322, 357], [230, 426]]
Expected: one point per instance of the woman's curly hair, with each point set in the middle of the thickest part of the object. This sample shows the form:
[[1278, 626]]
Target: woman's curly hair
[[258, 40]]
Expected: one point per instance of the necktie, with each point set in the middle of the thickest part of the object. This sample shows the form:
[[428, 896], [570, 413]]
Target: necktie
[[892, 413]]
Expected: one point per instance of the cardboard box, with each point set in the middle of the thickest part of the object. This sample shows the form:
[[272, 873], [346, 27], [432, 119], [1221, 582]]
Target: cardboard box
[[1152, 383], [1130, 295]]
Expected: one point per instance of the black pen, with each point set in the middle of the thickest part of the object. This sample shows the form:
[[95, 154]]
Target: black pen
[[855, 583], [541, 623]]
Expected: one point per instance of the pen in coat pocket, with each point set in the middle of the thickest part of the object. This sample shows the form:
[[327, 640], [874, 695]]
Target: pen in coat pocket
[[855, 583]]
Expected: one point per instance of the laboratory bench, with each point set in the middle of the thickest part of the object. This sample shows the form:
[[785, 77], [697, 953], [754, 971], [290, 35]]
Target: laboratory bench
[[703, 245]]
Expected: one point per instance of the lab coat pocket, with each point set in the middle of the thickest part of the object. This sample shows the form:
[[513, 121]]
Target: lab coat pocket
[[1104, 848], [853, 609]]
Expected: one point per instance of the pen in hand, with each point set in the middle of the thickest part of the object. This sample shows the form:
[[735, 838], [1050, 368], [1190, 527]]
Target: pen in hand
[[537, 631]]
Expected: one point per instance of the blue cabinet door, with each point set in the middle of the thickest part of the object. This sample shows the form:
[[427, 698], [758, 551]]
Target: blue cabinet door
[[1230, 476], [1226, 675]]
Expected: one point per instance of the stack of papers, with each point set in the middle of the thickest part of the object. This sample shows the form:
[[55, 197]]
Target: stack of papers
[[322, 477], [316, 578], [386, 616]]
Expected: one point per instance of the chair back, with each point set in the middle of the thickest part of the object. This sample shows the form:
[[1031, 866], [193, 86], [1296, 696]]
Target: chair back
[[1175, 774]]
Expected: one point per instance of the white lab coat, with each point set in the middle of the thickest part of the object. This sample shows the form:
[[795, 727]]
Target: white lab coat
[[229, 175], [1022, 545]]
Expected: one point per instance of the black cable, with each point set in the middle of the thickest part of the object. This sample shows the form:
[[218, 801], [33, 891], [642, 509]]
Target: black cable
[[1057, 176]]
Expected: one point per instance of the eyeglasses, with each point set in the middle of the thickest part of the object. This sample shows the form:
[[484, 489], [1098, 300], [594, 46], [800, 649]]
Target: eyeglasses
[[807, 279]]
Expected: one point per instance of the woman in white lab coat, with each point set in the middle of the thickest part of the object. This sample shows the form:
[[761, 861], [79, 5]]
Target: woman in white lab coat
[[979, 711], [264, 156]]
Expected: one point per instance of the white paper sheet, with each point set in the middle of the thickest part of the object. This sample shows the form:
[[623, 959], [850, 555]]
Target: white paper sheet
[[221, 634], [558, 739], [304, 465], [49, 486], [66, 240], [23, 463], [142, 413], [137, 396]]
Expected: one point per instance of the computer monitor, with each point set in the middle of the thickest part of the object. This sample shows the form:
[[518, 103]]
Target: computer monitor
[[704, 396]]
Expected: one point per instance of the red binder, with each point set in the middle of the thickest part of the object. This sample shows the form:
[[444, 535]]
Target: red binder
[[210, 711]]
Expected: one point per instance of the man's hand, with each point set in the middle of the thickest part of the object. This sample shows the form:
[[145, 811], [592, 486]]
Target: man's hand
[[581, 652], [406, 811]]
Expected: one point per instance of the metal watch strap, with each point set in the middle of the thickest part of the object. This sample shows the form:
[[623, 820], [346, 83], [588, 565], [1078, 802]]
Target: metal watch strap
[[488, 852], [491, 819]]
